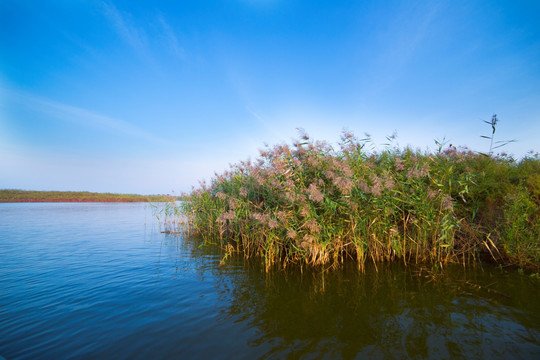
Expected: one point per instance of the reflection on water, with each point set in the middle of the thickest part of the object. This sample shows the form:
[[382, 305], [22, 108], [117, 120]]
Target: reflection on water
[[392, 313], [101, 281]]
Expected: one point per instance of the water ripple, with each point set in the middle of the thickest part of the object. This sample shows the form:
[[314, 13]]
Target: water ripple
[[101, 281]]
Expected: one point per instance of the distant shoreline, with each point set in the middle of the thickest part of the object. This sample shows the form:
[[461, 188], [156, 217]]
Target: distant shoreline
[[29, 196]]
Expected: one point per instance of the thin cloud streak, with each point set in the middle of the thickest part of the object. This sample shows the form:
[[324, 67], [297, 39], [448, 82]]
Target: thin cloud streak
[[409, 45], [135, 37], [403, 40], [84, 117], [266, 124], [171, 39]]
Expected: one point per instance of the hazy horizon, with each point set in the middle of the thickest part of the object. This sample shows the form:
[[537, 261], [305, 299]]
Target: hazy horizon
[[149, 98]]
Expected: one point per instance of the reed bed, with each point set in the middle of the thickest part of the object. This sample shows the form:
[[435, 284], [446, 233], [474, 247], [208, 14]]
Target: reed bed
[[312, 204]]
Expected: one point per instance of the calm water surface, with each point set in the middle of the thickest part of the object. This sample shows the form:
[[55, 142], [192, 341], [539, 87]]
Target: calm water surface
[[101, 281]]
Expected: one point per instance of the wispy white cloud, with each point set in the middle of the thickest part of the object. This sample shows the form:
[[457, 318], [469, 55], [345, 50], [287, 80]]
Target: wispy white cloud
[[134, 36], [171, 38], [3, 118], [416, 29], [82, 116], [404, 37], [267, 124]]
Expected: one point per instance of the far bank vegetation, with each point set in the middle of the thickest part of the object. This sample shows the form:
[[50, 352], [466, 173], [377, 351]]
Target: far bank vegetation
[[8, 195]]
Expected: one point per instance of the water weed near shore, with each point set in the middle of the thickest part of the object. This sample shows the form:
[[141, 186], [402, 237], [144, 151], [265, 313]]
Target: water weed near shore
[[311, 203]]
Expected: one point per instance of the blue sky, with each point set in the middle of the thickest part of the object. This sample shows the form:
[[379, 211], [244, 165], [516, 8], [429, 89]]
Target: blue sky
[[151, 96]]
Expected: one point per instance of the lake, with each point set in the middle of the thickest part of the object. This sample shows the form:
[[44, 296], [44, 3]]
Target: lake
[[94, 280]]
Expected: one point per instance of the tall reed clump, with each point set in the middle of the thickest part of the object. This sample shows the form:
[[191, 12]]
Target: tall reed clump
[[310, 203]]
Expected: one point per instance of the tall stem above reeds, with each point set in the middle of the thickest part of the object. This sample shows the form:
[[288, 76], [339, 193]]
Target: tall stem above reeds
[[498, 144]]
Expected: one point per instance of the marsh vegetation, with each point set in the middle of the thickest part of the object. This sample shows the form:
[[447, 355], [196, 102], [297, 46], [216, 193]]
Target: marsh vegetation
[[310, 203]]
